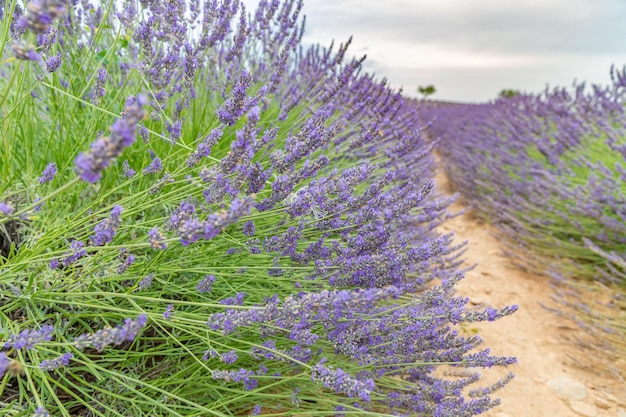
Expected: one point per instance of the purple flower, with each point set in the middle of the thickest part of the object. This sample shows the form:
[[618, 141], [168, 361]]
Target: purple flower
[[145, 134], [89, 166], [53, 63], [209, 353], [127, 260], [48, 174], [52, 364], [248, 228], [174, 130], [75, 253], [41, 13], [25, 52], [204, 148], [229, 357], [41, 412], [342, 382], [234, 107], [242, 375], [27, 339], [205, 284], [190, 229], [101, 78], [256, 410], [169, 310], [157, 240], [4, 363], [112, 335], [128, 171], [6, 209], [37, 206], [104, 232], [154, 167], [147, 281], [236, 300], [302, 306]]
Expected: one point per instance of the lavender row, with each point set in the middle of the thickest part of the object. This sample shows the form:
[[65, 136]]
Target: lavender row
[[549, 170]]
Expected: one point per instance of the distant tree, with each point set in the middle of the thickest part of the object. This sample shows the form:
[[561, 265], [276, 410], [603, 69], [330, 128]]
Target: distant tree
[[508, 93], [427, 90]]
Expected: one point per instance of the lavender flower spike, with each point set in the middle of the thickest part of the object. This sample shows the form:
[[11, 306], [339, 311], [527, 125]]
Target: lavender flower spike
[[89, 166], [41, 412], [48, 174], [154, 167], [52, 364], [112, 336], [104, 232], [6, 209], [342, 382], [25, 52], [41, 14], [4, 364], [157, 240], [27, 339], [53, 63]]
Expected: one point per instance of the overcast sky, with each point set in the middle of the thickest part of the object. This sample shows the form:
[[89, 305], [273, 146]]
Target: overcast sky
[[472, 49]]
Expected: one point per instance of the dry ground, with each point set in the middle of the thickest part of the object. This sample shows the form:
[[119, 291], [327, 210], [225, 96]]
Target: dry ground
[[552, 379]]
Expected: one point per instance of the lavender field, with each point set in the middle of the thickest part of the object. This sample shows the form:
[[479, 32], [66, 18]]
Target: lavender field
[[549, 171], [199, 217]]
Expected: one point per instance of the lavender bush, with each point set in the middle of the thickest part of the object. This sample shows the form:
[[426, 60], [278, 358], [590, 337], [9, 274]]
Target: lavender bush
[[550, 171], [201, 217]]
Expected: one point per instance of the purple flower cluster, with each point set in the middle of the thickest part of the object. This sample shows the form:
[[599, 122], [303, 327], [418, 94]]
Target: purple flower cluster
[[146, 282], [23, 51], [52, 364], [229, 357], [89, 166], [48, 174], [4, 363], [127, 259], [154, 166], [342, 382], [41, 13], [112, 335], [39, 17], [53, 63], [41, 412], [76, 252], [156, 238], [244, 376], [6, 209], [169, 310], [104, 232], [531, 162], [27, 339], [205, 283], [186, 224], [128, 171]]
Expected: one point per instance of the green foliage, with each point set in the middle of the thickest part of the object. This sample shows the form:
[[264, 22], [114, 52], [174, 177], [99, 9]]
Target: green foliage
[[427, 90], [508, 93]]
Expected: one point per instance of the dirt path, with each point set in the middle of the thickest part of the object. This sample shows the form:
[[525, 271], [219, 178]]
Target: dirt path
[[548, 382]]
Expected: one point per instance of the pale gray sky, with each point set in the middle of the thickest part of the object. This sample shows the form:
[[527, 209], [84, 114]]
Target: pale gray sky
[[472, 49]]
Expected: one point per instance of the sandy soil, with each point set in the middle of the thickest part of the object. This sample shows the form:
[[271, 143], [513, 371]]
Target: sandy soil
[[551, 378]]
